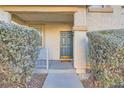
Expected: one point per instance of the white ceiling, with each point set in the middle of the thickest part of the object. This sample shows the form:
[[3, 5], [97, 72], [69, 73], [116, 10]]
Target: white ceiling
[[45, 17]]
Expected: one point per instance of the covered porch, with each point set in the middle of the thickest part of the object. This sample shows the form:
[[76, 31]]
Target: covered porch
[[52, 22]]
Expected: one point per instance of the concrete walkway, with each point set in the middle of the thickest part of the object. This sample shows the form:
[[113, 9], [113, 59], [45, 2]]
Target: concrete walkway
[[60, 74], [62, 80]]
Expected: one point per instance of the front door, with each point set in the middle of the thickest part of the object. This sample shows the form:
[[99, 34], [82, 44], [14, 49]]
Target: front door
[[66, 45]]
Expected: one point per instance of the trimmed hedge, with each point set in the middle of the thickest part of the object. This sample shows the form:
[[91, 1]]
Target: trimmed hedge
[[18, 52], [106, 55]]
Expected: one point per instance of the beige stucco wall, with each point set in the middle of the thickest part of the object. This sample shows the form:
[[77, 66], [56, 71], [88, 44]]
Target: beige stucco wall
[[52, 38], [80, 41], [80, 51], [101, 21]]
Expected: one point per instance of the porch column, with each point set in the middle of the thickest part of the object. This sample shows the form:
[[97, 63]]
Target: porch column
[[5, 16], [80, 41]]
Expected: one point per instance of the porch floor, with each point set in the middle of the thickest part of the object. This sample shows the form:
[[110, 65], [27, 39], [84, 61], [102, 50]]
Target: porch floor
[[60, 65]]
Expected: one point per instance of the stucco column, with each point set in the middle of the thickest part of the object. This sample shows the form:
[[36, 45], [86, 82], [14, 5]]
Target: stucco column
[[80, 41], [5, 16]]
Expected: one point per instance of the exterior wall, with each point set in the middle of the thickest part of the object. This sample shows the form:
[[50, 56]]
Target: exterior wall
[[101, 21], [50, 33], [52, 38], [80, 51], [80, 40]]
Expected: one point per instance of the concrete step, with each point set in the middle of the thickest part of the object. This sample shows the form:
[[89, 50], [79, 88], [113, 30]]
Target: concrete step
[[61, 71], [54, 71]]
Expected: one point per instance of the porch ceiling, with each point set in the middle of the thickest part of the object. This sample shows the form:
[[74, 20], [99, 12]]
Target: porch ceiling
[[32, 17]]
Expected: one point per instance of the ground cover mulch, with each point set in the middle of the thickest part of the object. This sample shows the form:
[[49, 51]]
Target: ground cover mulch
[[91, 83], [37, 81], [87, 83]]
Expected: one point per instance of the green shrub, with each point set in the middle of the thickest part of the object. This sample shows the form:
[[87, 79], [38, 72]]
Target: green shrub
[[106, 55], [18, 52]]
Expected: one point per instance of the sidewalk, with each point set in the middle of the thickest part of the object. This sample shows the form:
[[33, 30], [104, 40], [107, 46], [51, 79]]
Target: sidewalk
[[62, 80]]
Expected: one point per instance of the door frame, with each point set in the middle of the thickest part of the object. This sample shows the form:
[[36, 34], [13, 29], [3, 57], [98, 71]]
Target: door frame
[[66, 57]]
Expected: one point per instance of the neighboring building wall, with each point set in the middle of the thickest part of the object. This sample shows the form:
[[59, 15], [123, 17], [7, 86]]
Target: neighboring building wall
[[52, 38], [101, 21]]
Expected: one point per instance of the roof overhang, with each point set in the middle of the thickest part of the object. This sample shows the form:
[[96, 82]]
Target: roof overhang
[[43, 18], [42, 13], [40, 8]]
